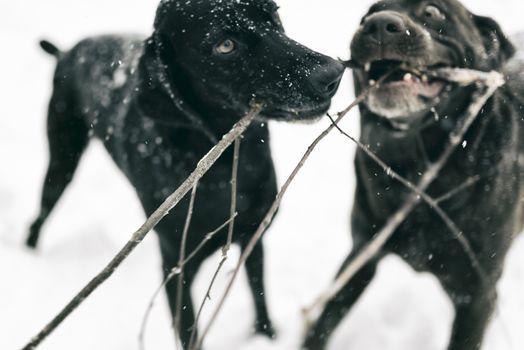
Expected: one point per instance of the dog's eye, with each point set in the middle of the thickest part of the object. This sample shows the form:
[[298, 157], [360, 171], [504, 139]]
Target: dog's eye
[[226, 47], [433, 12]]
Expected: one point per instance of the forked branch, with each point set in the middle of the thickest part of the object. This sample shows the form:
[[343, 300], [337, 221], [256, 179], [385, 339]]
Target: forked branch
[[203, 167], [227, 246], [174, 272]]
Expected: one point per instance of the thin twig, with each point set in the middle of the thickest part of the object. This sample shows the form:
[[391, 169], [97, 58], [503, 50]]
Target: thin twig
[[227, 246], [491, 82], [175, 271], [234, 179], [181, 258], [145, 318], [470, 181], [203, 166], [273, 209], [203, 303], [209, 236]]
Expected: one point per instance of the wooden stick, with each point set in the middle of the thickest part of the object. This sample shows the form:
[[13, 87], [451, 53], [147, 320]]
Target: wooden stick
[[227, 246], [203, 167], [181, 258], [233, 209], [193, 338]]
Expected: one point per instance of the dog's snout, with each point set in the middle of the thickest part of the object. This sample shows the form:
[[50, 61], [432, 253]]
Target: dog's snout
[[384, 25], [326, 78]]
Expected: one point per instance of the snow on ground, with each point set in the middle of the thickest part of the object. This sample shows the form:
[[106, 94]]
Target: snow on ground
[[305, 245]]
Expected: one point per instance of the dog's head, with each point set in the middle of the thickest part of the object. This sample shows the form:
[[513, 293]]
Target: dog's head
[[219, 55], [413, 36]]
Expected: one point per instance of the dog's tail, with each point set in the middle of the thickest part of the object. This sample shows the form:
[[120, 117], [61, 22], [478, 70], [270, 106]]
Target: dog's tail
[[50, 48]]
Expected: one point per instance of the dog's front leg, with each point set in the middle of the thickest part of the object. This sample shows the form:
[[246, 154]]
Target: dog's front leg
[[255, 276], [187, 313], [472, 314], [338, 307]]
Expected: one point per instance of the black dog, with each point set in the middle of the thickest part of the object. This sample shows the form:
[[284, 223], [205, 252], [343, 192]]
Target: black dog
[[159, 105], [407, 122]]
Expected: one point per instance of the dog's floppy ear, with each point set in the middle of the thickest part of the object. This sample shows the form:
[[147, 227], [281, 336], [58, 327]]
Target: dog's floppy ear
[[498, 48], [157, 97]]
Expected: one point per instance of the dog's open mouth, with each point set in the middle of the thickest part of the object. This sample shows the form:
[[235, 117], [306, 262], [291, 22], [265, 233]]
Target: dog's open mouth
[[406, 92], [401, 75]]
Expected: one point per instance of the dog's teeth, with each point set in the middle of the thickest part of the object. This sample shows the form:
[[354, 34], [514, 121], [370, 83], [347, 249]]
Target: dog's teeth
[[372, 82], [367, 67], [425, 78], [408, 77]]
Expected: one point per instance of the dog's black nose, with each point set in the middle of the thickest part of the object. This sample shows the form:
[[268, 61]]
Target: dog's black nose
[[384, 25], [326, 78]]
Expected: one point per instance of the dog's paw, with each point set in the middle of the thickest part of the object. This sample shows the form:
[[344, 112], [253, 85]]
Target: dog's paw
[[314, 341], [31, 242], [34, 233], [265, 329]]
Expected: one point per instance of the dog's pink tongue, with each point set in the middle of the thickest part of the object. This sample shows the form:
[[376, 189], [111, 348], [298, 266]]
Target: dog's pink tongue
[[429, 90], [417, 87]]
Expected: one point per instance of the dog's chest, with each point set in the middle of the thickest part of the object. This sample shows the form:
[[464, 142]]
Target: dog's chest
[[482, 211], [157, 160]]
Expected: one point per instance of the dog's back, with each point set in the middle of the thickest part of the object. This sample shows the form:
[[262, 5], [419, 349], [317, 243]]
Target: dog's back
[[98, 76]]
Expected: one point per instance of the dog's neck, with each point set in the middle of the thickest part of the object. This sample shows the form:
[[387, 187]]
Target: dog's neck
[[213, 118]]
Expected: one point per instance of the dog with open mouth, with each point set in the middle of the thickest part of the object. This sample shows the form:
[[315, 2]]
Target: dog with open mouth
[[159, 104], [407, 121]]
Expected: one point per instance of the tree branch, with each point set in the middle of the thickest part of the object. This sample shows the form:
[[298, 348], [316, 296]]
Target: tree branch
[[180, 278], [203, 303], [234, 179], [203, 166], [227, 246]]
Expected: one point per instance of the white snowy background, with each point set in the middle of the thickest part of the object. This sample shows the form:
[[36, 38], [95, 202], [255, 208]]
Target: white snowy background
[[400, 311]]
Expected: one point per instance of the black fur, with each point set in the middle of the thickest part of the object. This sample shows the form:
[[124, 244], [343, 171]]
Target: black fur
[[159, 104], [489, 212]]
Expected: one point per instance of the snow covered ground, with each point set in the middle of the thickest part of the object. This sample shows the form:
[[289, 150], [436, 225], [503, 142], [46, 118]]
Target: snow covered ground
[[305, 245]]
